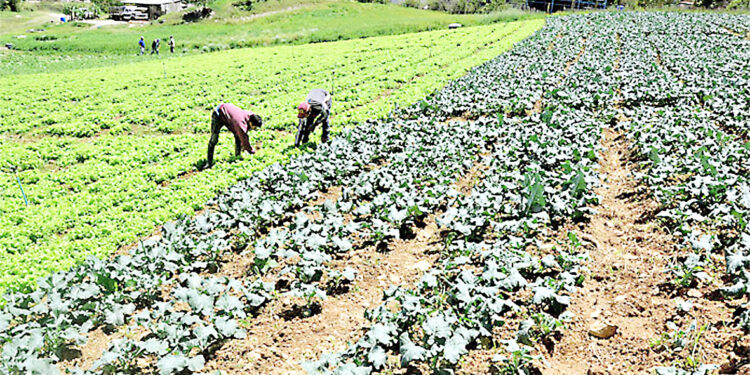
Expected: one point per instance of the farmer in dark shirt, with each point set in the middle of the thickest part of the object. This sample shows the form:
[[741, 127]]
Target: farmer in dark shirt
[[155, 46], [313, 111], [237, 121]]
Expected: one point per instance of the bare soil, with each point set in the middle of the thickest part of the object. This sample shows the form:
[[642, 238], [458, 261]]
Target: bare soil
[[737, 33], [629, 288]]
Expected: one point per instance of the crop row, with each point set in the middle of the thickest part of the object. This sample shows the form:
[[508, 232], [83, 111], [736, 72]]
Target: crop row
[[491, 272], [693, 153]]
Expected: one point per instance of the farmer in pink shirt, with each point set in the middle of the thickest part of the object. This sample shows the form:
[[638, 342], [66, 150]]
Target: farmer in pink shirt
[[238, 122]]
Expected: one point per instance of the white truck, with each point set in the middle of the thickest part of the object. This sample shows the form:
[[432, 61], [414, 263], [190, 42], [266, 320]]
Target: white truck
[[129, 13]]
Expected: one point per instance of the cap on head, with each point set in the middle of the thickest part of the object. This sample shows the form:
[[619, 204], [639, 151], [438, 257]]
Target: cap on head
[[303, 109]]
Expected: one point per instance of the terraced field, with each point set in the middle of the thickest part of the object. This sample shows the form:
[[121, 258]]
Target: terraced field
[[576, 205]]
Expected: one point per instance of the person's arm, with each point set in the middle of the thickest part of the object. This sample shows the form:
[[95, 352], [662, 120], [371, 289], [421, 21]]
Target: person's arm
[[245, 143]]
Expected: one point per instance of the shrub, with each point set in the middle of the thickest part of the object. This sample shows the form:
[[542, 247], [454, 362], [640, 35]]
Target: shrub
[[466, 6], [246, 4], [413, 3], [12, 5], [739, 4], [197, 14]]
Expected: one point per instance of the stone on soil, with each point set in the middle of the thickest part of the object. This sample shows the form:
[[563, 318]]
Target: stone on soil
[[602, 330]]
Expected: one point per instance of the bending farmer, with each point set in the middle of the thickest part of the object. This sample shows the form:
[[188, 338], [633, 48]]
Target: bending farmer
[[238, 122], [314, 110]]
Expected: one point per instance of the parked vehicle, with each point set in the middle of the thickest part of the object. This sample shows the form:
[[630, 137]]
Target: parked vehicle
[[128, 13]]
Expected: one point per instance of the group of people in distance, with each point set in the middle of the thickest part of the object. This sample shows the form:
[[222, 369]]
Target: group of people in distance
[[313, 111], [155, 44]]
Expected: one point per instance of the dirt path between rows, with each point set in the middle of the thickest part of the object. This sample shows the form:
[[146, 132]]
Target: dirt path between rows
[[538, 105], [628, 287], [277, 343]]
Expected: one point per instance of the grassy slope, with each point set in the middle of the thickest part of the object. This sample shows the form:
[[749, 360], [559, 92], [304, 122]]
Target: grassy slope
[[18, 23], [275, 22], [90, 195], [317, 22]]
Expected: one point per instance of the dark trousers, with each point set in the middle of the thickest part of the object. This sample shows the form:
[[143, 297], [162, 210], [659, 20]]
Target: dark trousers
[[307, 126], [216, 124]]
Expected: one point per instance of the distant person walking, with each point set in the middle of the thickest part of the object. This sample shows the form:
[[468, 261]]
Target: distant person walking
[[171, 44], [237, 121], [142, 43], [316, 109], [155, 47]]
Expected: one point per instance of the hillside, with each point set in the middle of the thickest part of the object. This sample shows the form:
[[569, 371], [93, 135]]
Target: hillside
[[270, 23]]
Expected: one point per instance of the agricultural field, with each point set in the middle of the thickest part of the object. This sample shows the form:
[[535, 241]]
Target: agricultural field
[[107, 154], [575, 205]]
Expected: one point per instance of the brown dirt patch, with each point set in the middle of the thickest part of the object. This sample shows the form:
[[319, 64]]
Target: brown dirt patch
[[737, 34], [628, 287]]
